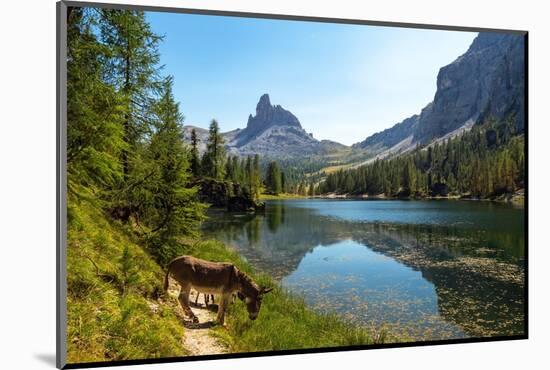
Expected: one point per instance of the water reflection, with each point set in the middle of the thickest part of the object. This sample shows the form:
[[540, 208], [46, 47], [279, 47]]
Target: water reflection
[[460, 276]]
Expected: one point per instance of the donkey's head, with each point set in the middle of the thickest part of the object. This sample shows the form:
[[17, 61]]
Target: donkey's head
[[254, 302]]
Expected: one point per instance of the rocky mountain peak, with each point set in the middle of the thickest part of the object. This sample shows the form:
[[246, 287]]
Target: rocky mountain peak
[[267, 116], [273, 132], [486, 81], [263, 105]]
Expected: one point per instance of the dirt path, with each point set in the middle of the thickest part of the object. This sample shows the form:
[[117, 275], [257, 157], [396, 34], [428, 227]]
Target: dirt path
[[198, 338]]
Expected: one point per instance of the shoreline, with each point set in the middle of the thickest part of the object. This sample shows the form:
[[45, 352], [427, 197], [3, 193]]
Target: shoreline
[[517, 198]]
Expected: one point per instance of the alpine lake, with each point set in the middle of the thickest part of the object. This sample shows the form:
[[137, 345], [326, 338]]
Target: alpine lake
[[419, 269]]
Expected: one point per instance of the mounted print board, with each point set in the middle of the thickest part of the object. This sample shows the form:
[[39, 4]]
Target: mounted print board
[[234, 184]]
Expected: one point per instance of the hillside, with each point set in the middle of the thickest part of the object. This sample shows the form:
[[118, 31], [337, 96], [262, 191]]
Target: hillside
[[117, 309], [114, 291]]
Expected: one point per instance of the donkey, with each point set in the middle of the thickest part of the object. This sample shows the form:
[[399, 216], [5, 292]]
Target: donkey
[[214, 278]]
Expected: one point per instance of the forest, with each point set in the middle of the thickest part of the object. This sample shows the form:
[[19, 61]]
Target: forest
[[125, 147], [486, 162]]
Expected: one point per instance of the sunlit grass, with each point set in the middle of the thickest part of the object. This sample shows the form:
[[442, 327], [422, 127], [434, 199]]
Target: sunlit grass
[[281, 196], [112, 311], [285, 321]]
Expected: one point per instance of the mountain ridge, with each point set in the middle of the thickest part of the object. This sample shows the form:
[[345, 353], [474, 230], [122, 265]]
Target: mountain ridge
[[272, 132], [486, 81]]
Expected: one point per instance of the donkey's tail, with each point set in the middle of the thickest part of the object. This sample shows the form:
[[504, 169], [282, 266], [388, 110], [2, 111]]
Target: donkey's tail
[[166, 280], [166, 277]]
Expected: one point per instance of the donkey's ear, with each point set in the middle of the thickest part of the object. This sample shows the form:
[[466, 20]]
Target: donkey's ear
[[266, 290]]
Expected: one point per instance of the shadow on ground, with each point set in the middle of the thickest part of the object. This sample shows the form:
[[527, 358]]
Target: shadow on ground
[[47, 358]]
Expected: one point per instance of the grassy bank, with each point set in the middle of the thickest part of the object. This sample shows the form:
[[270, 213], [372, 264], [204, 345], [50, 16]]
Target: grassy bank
[[285, 321], [117, 309], [264, 196], [113, 286]]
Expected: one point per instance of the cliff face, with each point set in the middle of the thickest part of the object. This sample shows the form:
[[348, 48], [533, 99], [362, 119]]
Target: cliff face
[[487, 81]]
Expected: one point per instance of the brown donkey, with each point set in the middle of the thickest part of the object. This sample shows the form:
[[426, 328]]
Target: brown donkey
[[214, 278]]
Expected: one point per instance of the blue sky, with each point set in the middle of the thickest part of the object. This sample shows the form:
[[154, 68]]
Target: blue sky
[[343, 82]]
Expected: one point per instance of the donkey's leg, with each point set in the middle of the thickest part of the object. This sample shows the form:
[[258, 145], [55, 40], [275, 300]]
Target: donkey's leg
[[197, 299], [220, 318], [206, 300], [184, 301]]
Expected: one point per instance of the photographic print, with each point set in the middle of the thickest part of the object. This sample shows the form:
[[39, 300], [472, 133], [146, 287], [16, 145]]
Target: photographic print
[[241, 184]]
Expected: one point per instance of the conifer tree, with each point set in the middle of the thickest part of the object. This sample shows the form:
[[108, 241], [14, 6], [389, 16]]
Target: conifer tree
[[94, 109], [273, 178], [133, 69], [213, 158], [166, 203], [256, 177], [195, 160], [311, 190]]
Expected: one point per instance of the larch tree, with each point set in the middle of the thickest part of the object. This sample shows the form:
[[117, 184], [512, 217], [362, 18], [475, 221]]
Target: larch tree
[[94, 109], [133, 69]]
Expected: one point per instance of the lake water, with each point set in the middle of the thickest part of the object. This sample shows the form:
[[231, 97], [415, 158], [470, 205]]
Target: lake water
[[421, 270]]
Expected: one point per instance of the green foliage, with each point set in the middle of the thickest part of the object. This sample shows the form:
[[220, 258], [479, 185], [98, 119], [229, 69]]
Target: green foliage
[[255, 177], [195, 158], [132, 68], [213, 159], [273, 178], [94, 109], [113, 285], [486, 162], [245, 174], [311, 189], [164, 201]]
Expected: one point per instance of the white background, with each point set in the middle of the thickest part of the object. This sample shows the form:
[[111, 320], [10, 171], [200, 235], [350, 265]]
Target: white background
[[27, 181]]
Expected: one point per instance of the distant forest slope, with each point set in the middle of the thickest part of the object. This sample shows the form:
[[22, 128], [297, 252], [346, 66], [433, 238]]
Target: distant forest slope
[[487, 162]]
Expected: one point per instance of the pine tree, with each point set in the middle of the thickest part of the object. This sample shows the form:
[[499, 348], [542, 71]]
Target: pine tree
[[213, 158], [166, 202], [195, 160], [311, 190], [236, 170], [249, 175], [409, 177], [256, 177], [273, 178]]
